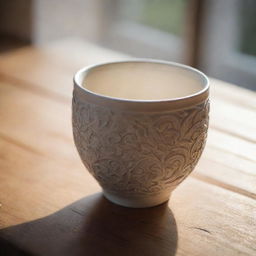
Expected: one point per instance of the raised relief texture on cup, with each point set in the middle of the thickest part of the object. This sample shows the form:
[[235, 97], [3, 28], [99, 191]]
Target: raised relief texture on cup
[[136, 153]]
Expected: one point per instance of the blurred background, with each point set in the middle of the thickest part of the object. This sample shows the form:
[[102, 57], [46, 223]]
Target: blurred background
[[216, 36]]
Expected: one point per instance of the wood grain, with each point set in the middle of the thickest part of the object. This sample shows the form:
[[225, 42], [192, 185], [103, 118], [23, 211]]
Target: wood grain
[[233, 119], [211, 213], [235, 94], [51, 68], [230, 230]]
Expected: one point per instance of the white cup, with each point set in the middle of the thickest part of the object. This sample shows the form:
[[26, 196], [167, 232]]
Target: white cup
[[140, 127]]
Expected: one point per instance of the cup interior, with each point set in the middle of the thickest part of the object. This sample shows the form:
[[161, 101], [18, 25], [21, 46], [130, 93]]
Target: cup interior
[[143, 80]]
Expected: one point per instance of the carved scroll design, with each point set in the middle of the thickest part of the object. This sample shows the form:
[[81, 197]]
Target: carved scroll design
[[139, 153]]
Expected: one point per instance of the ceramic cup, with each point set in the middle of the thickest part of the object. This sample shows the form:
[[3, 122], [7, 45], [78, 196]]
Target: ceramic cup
[[140, 127]]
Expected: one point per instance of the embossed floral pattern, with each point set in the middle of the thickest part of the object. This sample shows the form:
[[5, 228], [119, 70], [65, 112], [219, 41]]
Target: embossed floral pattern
[[139, 153]]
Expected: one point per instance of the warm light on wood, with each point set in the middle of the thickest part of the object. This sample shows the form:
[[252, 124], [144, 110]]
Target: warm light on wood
[[211, 213]]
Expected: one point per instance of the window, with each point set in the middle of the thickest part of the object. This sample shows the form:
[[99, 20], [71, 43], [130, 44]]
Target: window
[[229, 41], [148, 28], [217, 36]]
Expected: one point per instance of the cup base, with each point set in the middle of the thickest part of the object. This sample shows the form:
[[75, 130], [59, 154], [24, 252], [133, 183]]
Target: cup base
[[138, 201]]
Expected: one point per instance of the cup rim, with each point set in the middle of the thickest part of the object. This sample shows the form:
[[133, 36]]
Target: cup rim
[[85, 70]]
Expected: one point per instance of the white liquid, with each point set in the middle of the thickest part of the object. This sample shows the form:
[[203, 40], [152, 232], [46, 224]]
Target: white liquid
[[143, 81]]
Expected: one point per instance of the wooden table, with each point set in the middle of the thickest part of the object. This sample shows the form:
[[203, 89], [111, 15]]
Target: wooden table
[[50, 205]]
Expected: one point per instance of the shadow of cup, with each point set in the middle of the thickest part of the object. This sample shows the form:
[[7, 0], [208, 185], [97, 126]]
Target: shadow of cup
[[95, 226]]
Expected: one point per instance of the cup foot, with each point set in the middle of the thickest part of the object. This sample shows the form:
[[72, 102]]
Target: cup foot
[[138, 201]]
